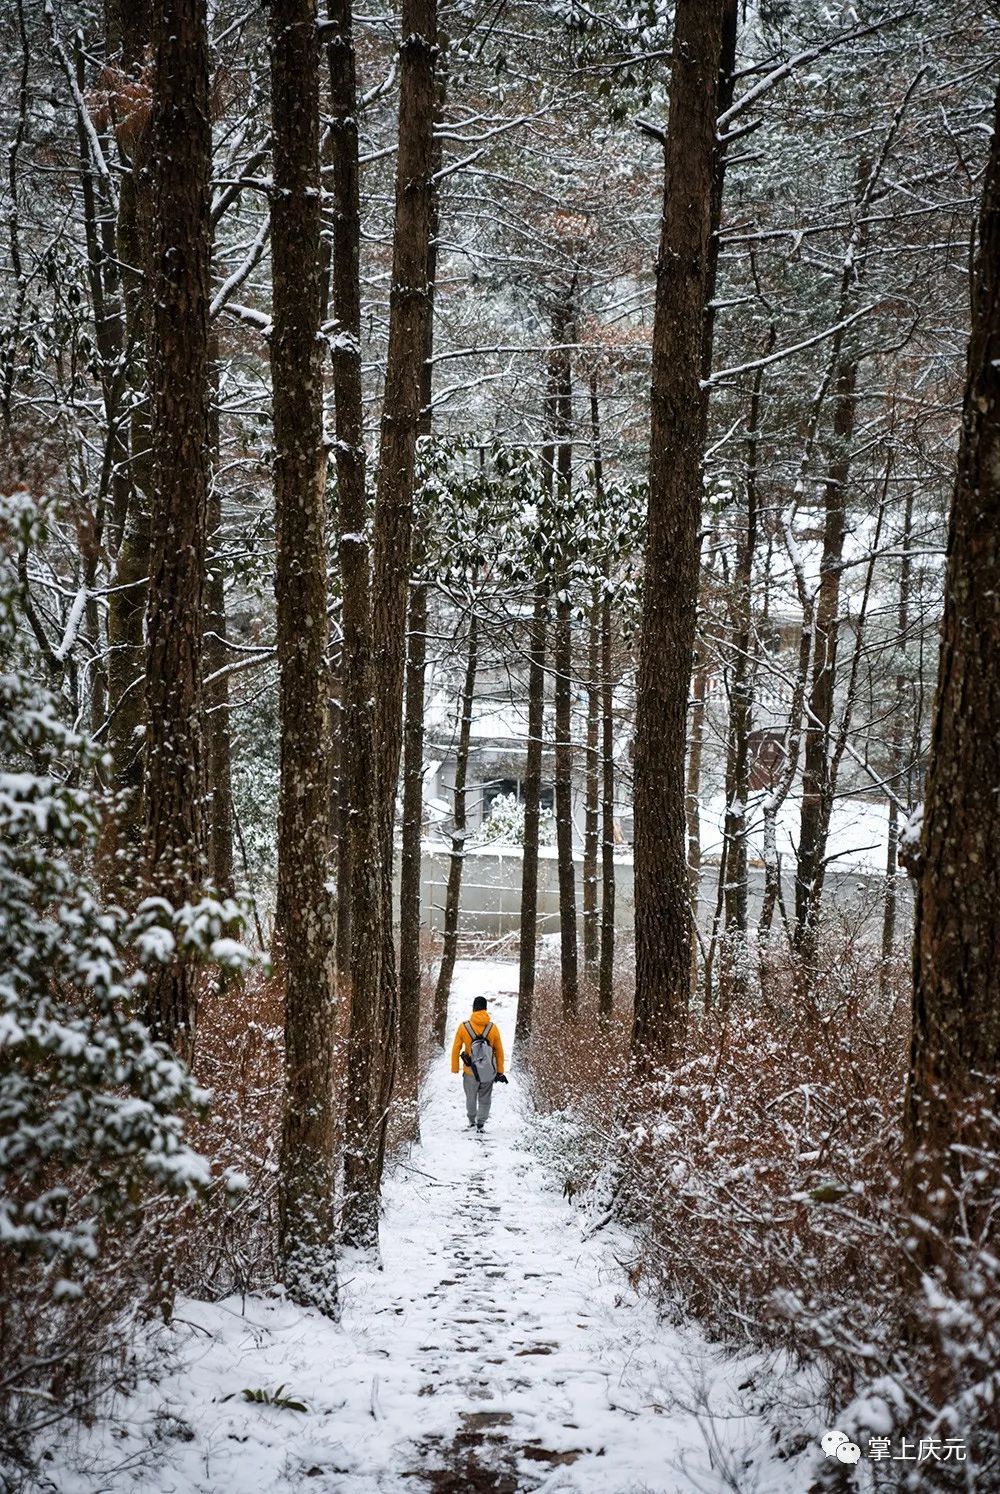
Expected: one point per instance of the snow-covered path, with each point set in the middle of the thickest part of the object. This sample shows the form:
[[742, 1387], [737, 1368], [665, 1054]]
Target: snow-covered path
[[498, 1349]]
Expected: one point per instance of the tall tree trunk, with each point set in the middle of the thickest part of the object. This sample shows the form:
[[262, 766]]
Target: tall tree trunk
[[374, 1039], [453, 895], [955, 1056], [604, 763], [562, 653], [130, 30], [592, 809], [663, 926], [605, 992], [897, 739], [304, 913], [413, 737], [528, 936], [410, 856], [217, 720], [736, 973], [818, 781], [357, 766], [592, 803], [174, 779]]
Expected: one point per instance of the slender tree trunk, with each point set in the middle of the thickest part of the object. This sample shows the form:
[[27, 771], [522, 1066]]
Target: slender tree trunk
[[605, 992], [374, 1039], [410, 860], [304, 914], [532, 794], [359, 878], [357, 765], [741, 723], [955, 1056], [563, 665], [692, 787], [130, 29], [601, 667], [818, 780], [174, 783], [897, 739], [592, 811], [563, 332], [413, 737], [663, 924], [217, 721], [449, 951]]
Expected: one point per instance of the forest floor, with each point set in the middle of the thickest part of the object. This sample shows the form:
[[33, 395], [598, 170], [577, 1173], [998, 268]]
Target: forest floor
[[500, 1348]]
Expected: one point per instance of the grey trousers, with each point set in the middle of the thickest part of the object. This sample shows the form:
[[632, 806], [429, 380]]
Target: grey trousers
[[477, 1098]]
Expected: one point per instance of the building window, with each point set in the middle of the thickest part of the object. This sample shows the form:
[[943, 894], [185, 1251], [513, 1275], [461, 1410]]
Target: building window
[[497, 788]]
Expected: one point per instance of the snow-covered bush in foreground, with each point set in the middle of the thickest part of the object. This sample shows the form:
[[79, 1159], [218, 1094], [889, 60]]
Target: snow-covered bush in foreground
[[91, 1110]]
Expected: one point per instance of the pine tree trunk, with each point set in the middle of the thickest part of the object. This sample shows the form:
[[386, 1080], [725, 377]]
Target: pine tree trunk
[[563, 665], [562, 655], [453, 895], [217, 720], [663, 924], [410, 857], [304, 912], [359, 903], [955, 1057], [736, 972], [374, 1039], [528, 935], [592, 799], [174, 779], [897, 736], [605, 993], [818, 778], [413, 734], [130, 29]]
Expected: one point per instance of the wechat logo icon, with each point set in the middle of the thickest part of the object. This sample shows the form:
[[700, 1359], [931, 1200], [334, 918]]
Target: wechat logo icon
[[839, 1445]]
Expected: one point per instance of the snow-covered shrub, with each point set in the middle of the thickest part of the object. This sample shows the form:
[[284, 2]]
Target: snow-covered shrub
[[504, 825], [91, 1110]]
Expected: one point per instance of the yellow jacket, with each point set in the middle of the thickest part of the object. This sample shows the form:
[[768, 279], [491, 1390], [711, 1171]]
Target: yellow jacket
[[479, 1022]]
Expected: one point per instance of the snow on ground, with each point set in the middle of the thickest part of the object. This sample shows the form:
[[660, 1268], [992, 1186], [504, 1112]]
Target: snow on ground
[[498, 1349]]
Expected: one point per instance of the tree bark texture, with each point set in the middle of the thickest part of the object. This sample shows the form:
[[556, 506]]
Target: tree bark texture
[[592, 800], [955, 1054], [217, 718], [562, 654], [375, 1011], [130, 30], [897, 738], [358, 764], [413, 732], [528, 936], [818, 775], [735, 978], [413, 804], [663, 924], [606, 974], [304, 913], [453, 895], [174, 765]]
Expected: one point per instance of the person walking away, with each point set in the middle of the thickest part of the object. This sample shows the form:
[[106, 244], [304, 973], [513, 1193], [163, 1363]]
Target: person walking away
[[480, 1049]]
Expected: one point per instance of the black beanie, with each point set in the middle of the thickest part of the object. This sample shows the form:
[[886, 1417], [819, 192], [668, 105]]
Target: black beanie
[[480, 1004]]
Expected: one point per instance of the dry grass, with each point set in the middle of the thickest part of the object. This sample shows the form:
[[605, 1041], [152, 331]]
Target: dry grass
[[763, 1175]]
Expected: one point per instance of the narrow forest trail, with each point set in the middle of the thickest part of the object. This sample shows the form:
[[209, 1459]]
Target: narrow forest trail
[[499, 1349]]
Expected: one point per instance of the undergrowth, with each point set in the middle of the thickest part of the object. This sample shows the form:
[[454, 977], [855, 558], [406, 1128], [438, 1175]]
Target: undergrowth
[[763, 1175]]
